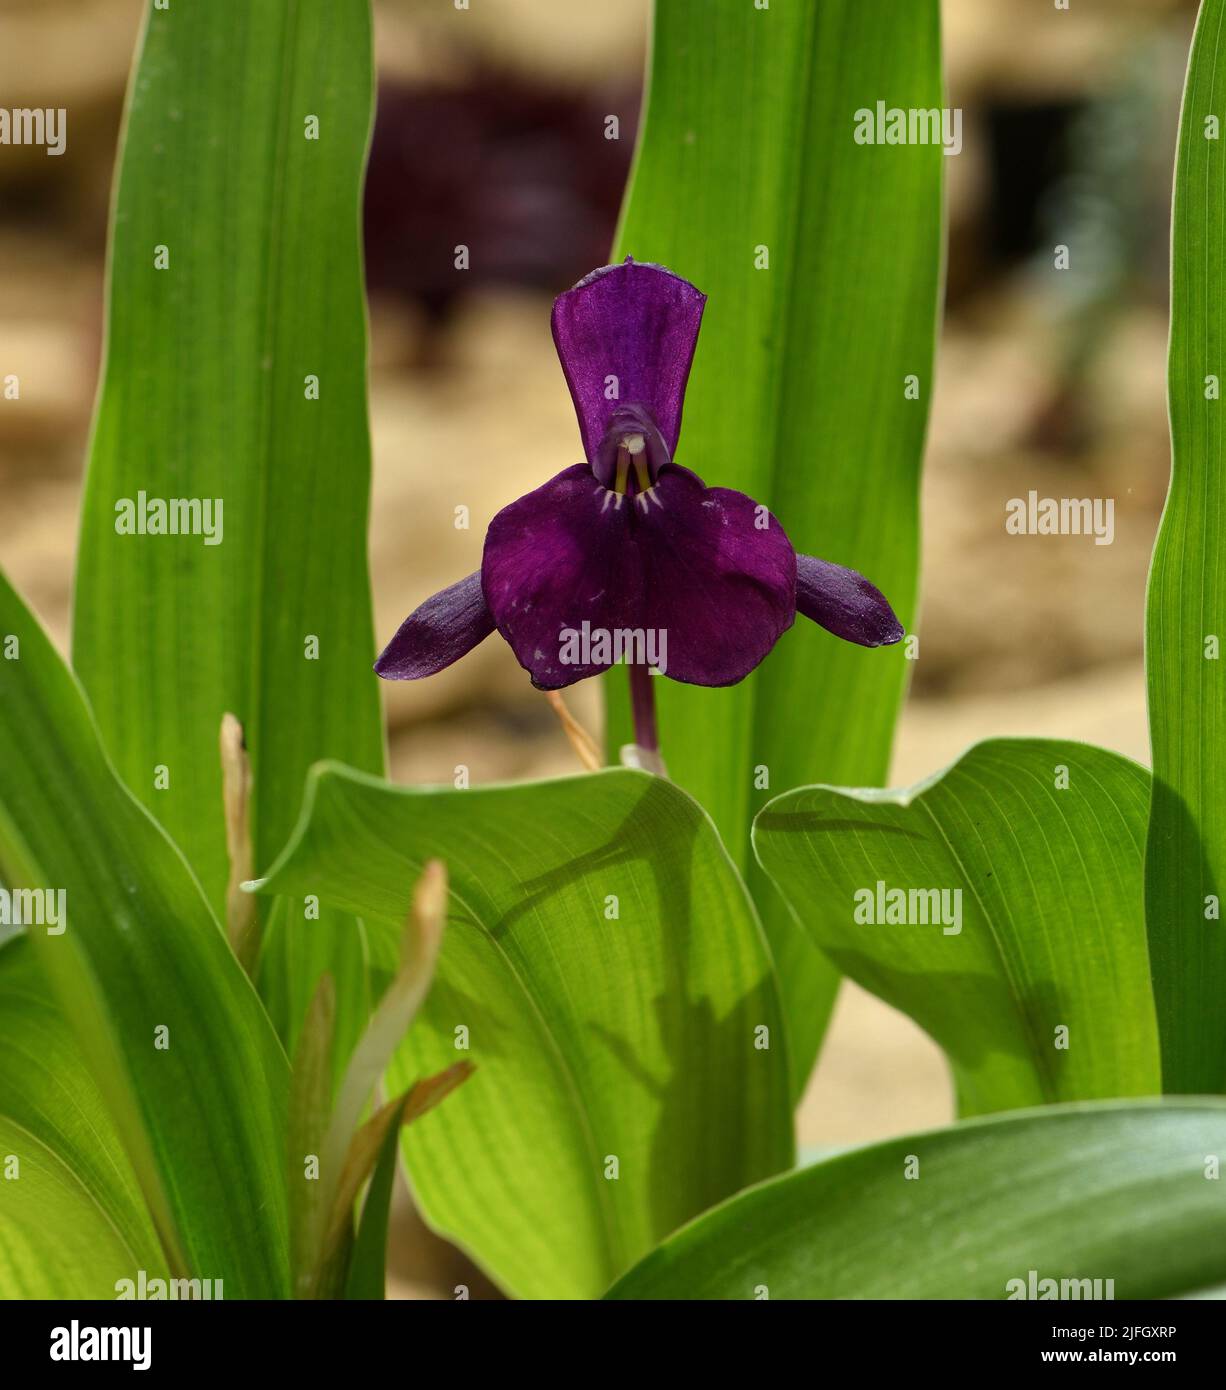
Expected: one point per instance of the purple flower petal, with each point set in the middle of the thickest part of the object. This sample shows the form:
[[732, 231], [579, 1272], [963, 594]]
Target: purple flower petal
[[720, 577], [560, 556], [699, 581], [636, 323], [845, 603], [445, 628]]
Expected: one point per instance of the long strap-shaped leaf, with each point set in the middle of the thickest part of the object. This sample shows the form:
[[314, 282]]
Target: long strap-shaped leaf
[[193, 1075], [989, 1209], [1186, 611], [55, 1240], [604, 970], [821, 259], [47, 1091], [999, 903], [236, 377]]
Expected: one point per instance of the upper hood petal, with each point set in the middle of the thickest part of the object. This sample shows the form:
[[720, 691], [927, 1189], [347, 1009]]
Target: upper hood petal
[[625, 335]]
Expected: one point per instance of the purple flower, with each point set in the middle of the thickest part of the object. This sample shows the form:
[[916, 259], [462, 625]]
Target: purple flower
[[630, 542]]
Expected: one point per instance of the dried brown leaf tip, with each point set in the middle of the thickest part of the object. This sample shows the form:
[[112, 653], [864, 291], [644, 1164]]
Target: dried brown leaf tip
[[242, 913]]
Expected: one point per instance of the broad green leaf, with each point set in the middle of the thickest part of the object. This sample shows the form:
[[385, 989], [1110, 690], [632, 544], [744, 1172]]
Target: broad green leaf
[[603, 967], [206, 394], [174, 1034], [56, 1241], [797, 395], [1080, 1192], [1186, 610], [47, 1091], [1023, 951]]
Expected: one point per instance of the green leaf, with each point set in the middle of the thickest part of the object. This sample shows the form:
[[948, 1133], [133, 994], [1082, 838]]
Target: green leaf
[[55, 1112], [56, 1241], [1043, 842], [310, 1107], [604, 966], [797, 392], [1115, 1192], [204, 396], [368, 1262], [201, 1106], [359, 1164], [1186, 610]]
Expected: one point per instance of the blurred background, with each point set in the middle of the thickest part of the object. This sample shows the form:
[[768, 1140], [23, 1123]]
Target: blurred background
[[491, 132]]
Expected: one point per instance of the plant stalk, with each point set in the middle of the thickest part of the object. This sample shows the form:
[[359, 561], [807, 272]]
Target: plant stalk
[[643, 706]]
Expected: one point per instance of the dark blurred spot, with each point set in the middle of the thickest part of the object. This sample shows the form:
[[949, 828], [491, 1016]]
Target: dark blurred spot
[[517, 171], [1028, 151]]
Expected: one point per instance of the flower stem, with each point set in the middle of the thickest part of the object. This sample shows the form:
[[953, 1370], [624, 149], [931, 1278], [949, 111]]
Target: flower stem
[[643, 704]]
